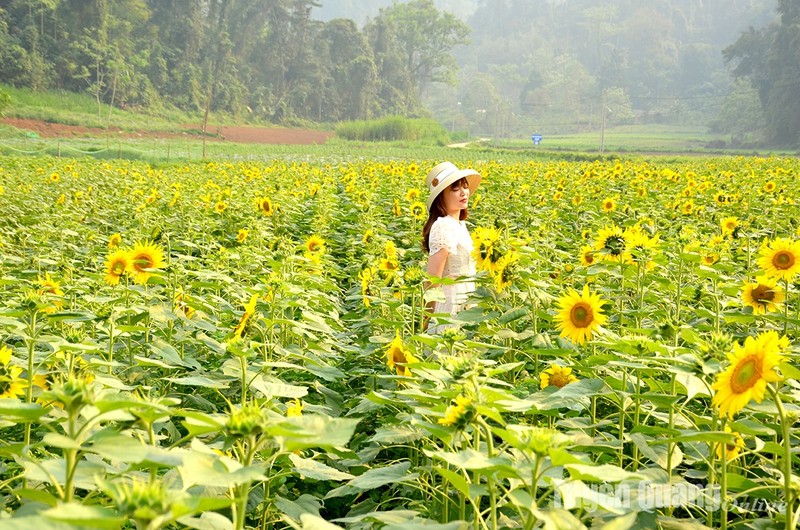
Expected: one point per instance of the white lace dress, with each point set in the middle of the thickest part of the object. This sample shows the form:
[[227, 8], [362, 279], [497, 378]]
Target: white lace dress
[[451, 234]]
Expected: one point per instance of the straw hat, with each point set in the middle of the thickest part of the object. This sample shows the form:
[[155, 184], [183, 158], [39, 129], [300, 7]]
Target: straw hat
[[443, 175]]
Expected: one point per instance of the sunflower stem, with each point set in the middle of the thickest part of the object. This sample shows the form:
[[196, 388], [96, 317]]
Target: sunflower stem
[[786, 306], [723, 486], [786, 461]]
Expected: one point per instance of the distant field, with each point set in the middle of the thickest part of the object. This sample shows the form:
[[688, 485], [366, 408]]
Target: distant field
[[73, 125]]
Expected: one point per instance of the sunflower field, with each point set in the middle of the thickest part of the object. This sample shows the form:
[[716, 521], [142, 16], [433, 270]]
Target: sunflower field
[[230, 345]]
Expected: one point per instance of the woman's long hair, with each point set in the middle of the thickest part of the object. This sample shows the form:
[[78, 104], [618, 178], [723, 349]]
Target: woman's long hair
[[437, 210]]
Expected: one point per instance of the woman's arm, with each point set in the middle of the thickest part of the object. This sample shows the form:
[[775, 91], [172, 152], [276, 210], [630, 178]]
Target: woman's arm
[[435, 268]]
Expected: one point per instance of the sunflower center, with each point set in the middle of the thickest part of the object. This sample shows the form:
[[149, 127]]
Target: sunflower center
[[589, 257], [783, 260], [398, 356], [559, 379], [118, 268], [581, 315], [142, 262], [763, 293], [745, 375], [614, 245]]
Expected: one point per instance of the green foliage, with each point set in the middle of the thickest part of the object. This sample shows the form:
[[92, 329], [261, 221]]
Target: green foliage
[[393, 128], [5, 101], [768, 58]]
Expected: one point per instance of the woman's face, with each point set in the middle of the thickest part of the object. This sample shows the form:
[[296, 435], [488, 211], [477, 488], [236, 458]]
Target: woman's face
[[456, 197]]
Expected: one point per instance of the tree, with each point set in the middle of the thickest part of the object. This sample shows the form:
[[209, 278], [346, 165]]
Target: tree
[[419, 39], [770, 59]]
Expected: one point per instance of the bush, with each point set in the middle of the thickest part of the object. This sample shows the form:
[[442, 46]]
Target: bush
[[5, 101], [393, 128]]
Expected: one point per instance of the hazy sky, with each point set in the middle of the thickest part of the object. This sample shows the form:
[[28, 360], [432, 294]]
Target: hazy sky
[[360, 10]]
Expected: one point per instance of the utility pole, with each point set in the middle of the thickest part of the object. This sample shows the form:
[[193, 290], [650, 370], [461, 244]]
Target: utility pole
[[603, 122]]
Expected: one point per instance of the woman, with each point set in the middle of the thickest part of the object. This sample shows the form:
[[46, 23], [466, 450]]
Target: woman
[[445, 236]]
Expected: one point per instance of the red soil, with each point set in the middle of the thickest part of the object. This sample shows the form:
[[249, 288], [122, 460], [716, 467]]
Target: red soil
[[225, 133]]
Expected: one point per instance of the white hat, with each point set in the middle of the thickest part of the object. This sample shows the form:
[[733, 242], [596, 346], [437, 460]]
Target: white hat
[[445, 174]]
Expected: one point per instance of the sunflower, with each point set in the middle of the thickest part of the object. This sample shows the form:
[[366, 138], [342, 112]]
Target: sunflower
[[242, 235], [265, 205], [294, 410], [780, 258], [366, 277], [611, 243], [314, 245], [11, 385], [220, 207], [54, 177], [770, 186], [398, 357], [729, 225], [368, 236], [752, 366], [145, 256], [764, 295], [709, 259], [417, 210], [557, 376], [687, 207], [504, 271], [730, 451], [114, 241], [412, 195], [580, 315], [48, 285], [182, 306], [588, 256], [249, 311], [117, 264], [397, 209], [609, 205], [458, 414], [388, 267], [577, 200], [486, 248]]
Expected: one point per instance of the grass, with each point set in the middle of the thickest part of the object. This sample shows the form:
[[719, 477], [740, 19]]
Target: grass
[[81, 109]]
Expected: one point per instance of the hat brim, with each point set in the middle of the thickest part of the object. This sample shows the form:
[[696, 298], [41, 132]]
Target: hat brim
[[472, 176]]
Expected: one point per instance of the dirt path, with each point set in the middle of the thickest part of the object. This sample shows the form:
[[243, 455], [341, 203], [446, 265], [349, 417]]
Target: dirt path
[[225, 133]]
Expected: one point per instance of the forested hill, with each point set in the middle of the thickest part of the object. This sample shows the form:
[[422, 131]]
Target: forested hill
[[556, 61], [487, 66]]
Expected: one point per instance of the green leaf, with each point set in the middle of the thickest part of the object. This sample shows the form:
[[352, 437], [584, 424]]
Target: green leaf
[[207, 521], [789, 371], [601, 473], [313, 469], [204, 469], [304, 504], [469, 459], [19, 411], [455, 479], [170, 355], [85, 516], [374, 478], [622, 522], [39, 522], [315, 522], [313, 430], [198, 380], [282, 390]]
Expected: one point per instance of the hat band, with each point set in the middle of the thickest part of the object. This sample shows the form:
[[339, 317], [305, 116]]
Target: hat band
[[443, 174]]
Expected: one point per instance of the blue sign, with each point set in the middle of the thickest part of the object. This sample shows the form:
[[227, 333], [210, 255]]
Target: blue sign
[[537, 138]]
